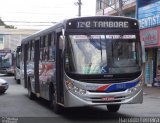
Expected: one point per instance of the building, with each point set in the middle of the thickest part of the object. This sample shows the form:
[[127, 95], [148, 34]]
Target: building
[[113, 7], [11, 38], [148, 14], [149, 19]]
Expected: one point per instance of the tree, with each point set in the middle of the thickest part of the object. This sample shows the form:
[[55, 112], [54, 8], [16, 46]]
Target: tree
[[6, 26], [1, 23]]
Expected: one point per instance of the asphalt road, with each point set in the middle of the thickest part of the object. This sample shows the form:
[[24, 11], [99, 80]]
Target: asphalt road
[[15, 105]]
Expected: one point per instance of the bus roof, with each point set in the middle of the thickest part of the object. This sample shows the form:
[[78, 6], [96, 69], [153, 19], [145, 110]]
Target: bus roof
[[63, 24]]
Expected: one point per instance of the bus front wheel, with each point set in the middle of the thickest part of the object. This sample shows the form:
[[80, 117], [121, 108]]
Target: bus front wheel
[[18, 81], [113, 108]]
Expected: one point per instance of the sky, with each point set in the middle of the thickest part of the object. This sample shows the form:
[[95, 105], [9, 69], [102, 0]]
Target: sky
[[16, 12]]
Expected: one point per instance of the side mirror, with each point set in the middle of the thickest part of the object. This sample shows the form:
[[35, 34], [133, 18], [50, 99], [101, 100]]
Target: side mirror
[[62, 42]]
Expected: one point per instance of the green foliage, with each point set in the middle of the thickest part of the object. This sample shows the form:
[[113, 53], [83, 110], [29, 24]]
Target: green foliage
[[6, 26], [2, 23]]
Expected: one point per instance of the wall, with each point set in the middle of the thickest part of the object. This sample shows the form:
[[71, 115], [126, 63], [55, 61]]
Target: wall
[[12, 37]]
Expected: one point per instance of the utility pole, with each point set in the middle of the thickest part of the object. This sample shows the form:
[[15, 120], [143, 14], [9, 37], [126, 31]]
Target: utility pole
[[121, 8], [79, 3], [79, 6]]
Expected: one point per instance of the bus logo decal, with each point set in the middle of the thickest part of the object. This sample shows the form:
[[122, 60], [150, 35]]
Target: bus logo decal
[[117, 86]]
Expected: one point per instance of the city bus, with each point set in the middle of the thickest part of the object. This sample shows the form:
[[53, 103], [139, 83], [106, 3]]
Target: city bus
[[6, 62], [17, 58], [85, 61]]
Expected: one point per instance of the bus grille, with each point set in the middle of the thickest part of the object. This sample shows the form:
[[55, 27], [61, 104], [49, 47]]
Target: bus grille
[[106, 80], [107, 92], [103, 79]]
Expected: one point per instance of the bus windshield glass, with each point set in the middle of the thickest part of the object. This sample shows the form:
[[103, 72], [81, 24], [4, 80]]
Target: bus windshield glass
[[103, 54], [5, 60]]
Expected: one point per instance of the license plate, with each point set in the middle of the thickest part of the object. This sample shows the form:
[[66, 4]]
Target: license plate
[[108, 98]]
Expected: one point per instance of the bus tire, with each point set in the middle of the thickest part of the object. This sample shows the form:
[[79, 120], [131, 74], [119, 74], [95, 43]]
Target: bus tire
[[113, 108], [18, 81], [31, 95], [56, 107]]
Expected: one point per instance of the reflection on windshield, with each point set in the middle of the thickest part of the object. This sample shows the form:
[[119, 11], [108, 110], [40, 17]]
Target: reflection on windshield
[[5, 60], [103, 54]]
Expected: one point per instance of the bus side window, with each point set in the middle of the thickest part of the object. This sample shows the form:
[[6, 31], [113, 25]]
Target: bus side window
[[26, 47], [46, 48], [41, 49], [32, 51], [49, 46], [52, 48], [29, 51]]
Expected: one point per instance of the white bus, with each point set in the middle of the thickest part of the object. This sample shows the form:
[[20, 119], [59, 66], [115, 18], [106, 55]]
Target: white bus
[[84, 62]]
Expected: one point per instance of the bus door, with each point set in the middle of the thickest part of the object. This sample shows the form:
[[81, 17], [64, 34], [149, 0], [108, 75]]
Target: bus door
[[59, 69], [36, 66], [24, 60]]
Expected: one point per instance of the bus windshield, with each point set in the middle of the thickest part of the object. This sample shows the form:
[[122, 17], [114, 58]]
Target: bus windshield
[[5, 60], [103, 54]]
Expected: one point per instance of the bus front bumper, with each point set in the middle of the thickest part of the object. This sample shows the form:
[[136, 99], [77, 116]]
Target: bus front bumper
[[129, 96]]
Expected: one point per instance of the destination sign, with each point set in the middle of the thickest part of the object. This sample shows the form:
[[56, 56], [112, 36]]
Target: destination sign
[[102, 24]]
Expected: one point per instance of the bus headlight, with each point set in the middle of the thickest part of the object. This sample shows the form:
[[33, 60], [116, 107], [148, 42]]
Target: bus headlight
[[137, 87], [69, 84], [78, 90], [74, 88], [82, 91]]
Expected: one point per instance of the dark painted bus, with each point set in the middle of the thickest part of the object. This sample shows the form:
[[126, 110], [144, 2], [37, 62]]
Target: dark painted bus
[[85, 61]]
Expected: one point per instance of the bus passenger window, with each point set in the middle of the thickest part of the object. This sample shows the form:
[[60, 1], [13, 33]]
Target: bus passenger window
[[32, 53], [49, 40], [51, 47], [46, 53]]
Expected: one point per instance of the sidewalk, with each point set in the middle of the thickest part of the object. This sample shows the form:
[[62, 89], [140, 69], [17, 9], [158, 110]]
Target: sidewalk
[[151, 91]]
